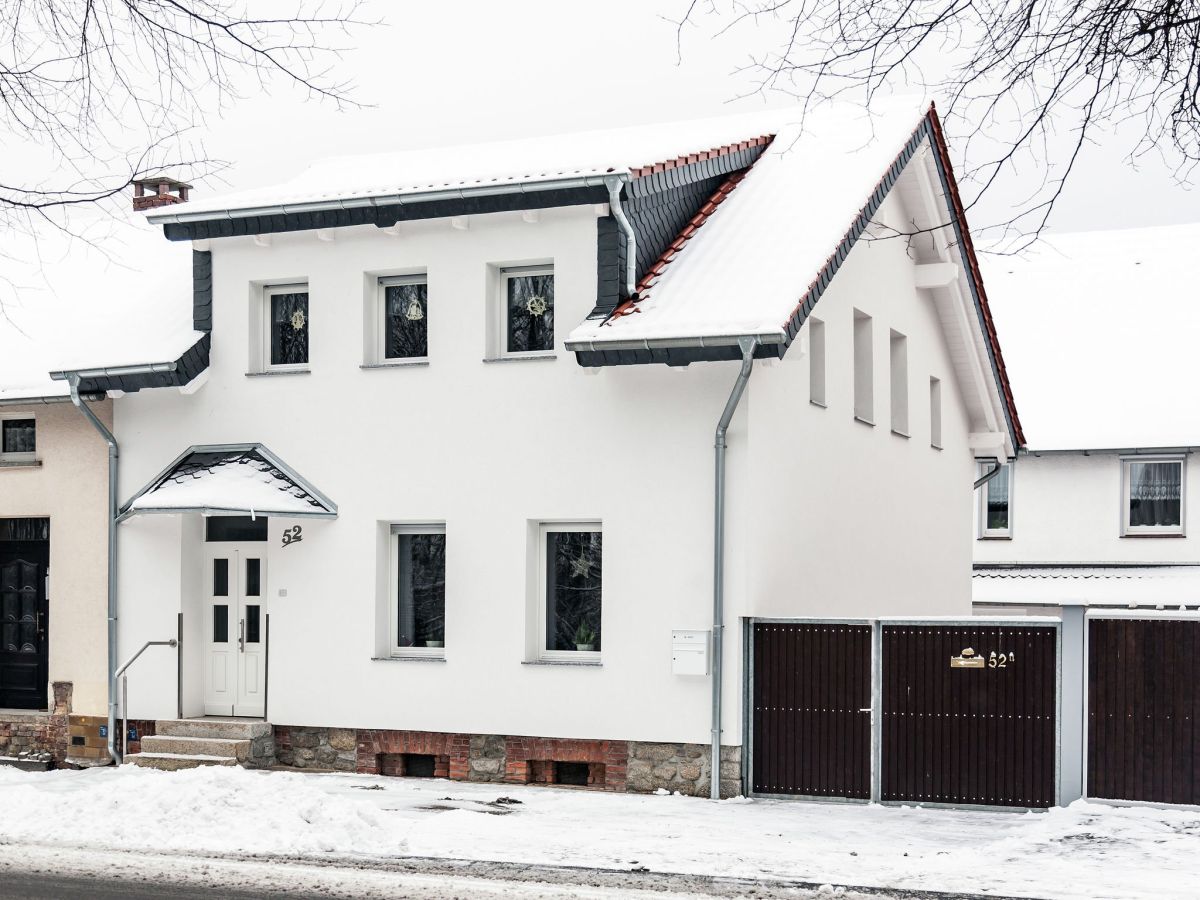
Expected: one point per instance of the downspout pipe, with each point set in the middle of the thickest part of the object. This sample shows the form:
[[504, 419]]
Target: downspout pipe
[[614, 184], [988, 476], [113, 453], [747, 346]]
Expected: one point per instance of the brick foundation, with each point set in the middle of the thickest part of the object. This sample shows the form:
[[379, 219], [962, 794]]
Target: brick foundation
[[511, 759]]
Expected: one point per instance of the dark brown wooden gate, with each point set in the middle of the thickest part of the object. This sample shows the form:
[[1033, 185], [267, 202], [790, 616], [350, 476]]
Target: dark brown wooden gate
[[1143, 704], [811, 709], [969, 714]]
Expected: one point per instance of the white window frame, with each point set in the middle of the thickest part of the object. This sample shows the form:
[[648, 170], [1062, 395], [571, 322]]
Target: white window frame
[[379, 320], [1128, 530], [986, 533], [500, 335], [264, 327], [21, 456], [394, 648], [543, 654]]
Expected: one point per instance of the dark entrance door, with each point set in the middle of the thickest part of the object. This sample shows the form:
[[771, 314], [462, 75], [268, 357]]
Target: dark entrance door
[[812, 709], [23, 623], [970, 714], [1143, 706]]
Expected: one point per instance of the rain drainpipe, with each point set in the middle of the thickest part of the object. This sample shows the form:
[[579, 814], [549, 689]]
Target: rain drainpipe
[[73, 381], [747, 346], [614, 183], [985, 478]]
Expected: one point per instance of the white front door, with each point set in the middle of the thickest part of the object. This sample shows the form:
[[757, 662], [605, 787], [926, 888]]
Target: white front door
[[235, 630]]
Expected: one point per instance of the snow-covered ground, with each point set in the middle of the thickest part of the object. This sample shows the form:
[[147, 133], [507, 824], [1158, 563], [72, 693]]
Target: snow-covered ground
[[1084, 851]]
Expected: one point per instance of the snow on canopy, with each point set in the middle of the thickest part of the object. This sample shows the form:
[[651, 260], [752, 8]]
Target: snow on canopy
[[1100, 331], [745, 270], [245, 478], [498, 164], [115, 292], [1167, 586]]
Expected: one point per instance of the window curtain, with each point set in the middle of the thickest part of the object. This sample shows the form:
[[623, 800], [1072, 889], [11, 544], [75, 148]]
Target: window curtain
[[18, 436], [407, 325], [1154, 494], [530, 313], [997, 501], [289, 329]]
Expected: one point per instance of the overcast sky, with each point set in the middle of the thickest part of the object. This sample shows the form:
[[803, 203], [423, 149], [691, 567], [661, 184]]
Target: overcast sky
[[474, 71]]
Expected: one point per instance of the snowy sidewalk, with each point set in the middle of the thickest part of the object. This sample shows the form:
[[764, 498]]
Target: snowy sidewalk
[[1085, 851]]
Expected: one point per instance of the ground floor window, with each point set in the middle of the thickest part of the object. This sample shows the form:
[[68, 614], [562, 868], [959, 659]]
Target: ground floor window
[[419, 594], [570, 607]]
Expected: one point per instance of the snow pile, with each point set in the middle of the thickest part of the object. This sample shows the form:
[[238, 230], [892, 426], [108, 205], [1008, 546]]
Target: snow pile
[[207, 810]]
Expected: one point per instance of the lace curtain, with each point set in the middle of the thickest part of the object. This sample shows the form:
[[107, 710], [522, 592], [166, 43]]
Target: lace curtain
[[530, 313], [406, 329], [289, 329], [1154, 494]]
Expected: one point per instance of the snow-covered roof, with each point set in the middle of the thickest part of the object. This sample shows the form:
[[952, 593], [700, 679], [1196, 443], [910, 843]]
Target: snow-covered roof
[[1100, 331], [1165, 585], [234, 478], [745, 270], [584, 155], [112, 293]]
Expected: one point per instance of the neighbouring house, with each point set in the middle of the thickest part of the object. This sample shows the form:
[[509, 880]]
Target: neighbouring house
[[100, 290], [442, 499], [1095, 512]]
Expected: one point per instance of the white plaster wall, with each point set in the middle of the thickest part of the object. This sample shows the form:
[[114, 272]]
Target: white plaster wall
[[490, 447], [71, 487], [850, 519], [1067, 508]]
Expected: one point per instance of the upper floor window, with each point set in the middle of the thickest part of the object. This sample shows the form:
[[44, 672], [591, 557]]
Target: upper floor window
[[285, 327], [527, 319], [404, 318], [1152, 498], [18, 439], [995, 502]]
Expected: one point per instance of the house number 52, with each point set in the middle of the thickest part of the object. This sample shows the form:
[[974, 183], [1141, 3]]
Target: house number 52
[[1001, 660], [292, 535]]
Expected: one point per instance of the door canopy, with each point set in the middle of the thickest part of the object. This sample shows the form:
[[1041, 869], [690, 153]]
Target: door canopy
[[230, 479]]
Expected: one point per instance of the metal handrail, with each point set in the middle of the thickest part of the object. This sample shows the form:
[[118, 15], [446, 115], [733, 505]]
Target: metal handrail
[[120, 674]]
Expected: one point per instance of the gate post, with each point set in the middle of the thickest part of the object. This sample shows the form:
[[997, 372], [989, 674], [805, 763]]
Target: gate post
[[876, 711], [1072, 700]]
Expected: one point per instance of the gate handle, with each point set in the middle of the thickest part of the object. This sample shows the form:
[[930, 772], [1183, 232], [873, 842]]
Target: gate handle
[[867, 710], [241, 635]]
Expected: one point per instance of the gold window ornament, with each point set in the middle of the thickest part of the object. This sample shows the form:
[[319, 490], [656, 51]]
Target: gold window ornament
[[299, 320], [413, 311], [537, 305]]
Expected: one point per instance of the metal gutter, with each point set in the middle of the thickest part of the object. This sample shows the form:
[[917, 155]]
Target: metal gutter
[[1124, 451], [224, 511], [766, 339], [113, 453], [34, 401], [116, 371], [748, 346], [466, 193]]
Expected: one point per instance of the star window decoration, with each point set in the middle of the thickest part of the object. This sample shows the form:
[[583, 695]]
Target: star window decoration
[[299, 320], [537, 305]]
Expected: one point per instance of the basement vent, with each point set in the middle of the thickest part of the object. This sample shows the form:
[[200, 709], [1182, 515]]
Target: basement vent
[[418, 765], [574, 773]]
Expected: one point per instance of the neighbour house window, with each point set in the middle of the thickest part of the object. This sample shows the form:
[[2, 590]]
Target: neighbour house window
[[899, 373], [419, 595], [404, 318], [286, 327], [995, 502], [18, 439], [816, 361], [935, 413], [1153, 496], [527, 322], [864, 370], [570, 614]]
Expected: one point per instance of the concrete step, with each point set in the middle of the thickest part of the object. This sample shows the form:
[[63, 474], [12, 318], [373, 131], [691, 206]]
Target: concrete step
[[197, 746], [225, 729], [172, 762]]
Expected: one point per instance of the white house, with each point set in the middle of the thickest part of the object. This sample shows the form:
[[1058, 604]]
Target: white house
[[442, 497], [1100, 331]]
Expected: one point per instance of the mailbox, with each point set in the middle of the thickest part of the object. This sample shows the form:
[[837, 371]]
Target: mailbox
[[689, 652]]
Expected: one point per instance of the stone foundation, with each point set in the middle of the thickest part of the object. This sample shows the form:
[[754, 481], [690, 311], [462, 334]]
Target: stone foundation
[[684, 768], [512, 759]]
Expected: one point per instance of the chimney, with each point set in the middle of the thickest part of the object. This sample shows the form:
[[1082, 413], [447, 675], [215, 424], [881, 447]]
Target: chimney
[[159, 190]]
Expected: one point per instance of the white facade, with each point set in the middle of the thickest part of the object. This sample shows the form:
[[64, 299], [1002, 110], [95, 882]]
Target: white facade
[[827, 515]]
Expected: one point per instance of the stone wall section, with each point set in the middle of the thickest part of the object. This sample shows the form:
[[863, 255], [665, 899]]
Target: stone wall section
[[685, 768]]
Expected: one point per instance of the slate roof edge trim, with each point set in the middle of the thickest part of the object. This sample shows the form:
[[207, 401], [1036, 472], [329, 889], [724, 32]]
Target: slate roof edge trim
[[100, 379], [528, 186], [265, 454]]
